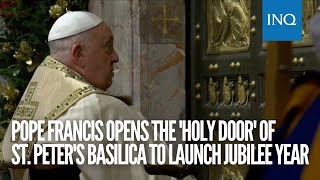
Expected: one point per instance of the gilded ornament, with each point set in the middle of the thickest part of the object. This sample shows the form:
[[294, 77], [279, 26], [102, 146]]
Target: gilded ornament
[[198, 96], [62, 3], [211, 115], [228, 92], [232, 65], [243, 92], [253, 19], [18, 55], [253, 96], [216, 115], [228, 25], [238, 115], [25, 48], [9, 107], [6, 47], [233, 115], [213, 93], [237, 65], [198, 26], [55, 11], [9, 93], [24, 52], [295, 61], [29, 62], [197, 86], [301, 61], [215, 67], [210, 67], [253, 84]]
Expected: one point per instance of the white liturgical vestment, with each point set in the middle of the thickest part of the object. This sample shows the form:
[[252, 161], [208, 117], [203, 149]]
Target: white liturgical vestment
[[104, 107], [57, 93]]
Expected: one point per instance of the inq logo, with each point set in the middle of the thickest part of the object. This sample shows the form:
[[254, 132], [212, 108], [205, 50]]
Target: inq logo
[[288, 19], [283, 21]]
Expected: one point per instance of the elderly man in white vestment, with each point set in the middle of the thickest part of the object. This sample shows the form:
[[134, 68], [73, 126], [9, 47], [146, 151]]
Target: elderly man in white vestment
[[71, 84]]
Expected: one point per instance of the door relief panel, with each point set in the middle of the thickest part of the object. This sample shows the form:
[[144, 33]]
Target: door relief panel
[[228, 25]]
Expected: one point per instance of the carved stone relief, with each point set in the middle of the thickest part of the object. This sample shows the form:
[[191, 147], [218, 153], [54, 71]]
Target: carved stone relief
[[228, 25]]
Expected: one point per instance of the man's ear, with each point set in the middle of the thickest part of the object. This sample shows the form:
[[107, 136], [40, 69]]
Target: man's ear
[[77, 55]]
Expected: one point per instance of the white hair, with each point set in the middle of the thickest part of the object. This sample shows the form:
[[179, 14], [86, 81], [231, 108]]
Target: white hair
[[59, 47]]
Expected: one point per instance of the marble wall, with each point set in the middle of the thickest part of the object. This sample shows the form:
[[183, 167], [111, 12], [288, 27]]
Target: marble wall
[[149, 38], [117, 14]]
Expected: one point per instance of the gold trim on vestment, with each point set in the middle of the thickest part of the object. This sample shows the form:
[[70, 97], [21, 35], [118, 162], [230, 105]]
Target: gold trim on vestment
[[53, 89]]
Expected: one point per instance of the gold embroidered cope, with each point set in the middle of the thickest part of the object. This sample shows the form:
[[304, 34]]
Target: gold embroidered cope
[[53, 89]]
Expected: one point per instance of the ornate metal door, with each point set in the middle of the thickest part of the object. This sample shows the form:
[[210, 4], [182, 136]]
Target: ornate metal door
[[227, 61]]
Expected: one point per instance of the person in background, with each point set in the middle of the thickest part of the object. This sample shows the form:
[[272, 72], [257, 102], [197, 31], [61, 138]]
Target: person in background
[[300, 123]]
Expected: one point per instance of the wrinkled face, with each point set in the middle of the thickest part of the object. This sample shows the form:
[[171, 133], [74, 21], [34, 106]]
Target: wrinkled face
[[100, 57]]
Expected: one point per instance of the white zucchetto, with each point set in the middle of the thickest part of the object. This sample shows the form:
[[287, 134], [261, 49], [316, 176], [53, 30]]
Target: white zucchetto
[[72, 23]]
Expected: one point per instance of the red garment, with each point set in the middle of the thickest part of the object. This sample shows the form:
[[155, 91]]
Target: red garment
[[4, 5]]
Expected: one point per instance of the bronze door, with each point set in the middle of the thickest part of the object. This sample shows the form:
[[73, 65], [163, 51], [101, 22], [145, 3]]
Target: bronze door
[[227, 62]]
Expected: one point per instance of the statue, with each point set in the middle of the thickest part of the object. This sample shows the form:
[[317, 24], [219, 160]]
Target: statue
[[243, 92], [228, 92], [213, 94]]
